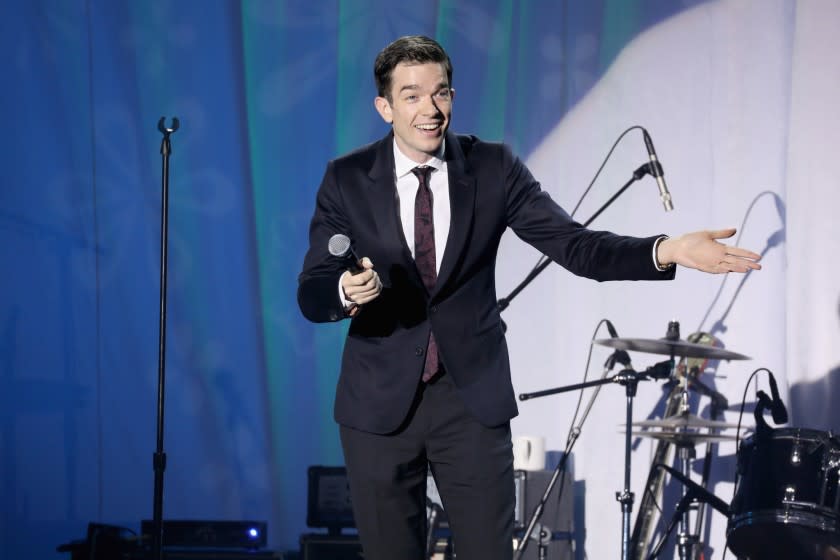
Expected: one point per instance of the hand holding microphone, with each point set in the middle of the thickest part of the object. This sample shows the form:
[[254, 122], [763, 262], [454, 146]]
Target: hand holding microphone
[[362, 284]]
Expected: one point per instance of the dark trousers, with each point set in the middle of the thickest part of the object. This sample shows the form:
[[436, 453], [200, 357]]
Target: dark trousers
[[472, 466]]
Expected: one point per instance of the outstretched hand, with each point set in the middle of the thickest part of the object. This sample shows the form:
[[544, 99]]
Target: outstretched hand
[[701, 250]]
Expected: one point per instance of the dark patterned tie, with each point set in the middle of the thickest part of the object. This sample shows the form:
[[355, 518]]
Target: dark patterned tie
[[424, 254]]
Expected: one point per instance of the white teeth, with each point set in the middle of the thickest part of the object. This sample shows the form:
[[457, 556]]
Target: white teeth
[[427, 126]]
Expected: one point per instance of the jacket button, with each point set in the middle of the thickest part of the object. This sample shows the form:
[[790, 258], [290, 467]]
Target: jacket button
[[418, 351]]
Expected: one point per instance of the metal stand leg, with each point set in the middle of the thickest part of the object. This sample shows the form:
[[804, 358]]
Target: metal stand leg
[[686, 542], [626, 497]]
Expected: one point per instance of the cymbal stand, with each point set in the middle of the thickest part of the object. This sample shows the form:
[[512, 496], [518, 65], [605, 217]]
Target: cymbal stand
[[686, 541], [719, 404], [625, 497], [686, 454], [630, 379]]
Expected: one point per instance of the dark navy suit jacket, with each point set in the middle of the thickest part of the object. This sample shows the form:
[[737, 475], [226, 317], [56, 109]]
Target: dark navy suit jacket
[[490, 190]]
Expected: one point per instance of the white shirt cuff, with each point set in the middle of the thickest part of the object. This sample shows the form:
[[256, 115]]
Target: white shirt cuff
[[656, 264], [346, 303]]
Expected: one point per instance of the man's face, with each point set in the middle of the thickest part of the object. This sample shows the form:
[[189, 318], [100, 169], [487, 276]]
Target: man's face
[[420, 108]]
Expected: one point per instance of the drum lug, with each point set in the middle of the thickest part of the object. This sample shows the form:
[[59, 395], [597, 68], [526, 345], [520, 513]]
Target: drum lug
[[790, 494]]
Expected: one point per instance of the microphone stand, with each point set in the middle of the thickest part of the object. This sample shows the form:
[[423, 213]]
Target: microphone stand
[[630, 379], [159, 458], [645, 169], [626, 497]]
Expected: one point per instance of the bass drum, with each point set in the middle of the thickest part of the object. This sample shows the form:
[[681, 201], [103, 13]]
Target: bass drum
[[787, 499]]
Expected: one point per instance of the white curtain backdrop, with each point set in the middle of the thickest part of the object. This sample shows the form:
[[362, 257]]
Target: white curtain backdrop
[[741, 99]]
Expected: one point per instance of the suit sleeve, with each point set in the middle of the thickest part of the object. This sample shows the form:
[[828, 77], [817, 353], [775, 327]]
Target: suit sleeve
[[541, 222], [318, 296]]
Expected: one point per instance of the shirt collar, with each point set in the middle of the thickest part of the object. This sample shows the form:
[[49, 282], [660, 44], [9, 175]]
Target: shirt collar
[[403, 164]]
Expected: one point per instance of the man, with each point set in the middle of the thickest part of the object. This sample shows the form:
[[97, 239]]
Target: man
[[425, 379]]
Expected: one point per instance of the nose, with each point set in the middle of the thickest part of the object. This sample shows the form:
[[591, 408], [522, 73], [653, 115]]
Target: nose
[[430, 107]]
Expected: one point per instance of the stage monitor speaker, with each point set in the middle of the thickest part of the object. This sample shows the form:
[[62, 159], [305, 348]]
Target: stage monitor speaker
[[558, 515], [330, 547]]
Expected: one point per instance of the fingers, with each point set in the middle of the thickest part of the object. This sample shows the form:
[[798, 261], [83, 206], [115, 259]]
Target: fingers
[[738, 265], [731, 258], [722, 233], [731, 262], [742, 253], [702, 250], [366, 292], [364, 286]]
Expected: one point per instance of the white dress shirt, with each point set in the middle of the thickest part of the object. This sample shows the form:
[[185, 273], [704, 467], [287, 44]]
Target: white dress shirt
[[407, 184], [406, 192]]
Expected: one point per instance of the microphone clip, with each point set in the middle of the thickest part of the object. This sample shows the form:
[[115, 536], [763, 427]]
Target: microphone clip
[[651, 168]]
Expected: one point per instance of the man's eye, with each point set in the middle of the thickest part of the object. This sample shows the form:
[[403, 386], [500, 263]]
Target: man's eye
[[411, 98], [444, 94]]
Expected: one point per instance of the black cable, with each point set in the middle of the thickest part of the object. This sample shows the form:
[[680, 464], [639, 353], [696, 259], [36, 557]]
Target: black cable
[[597, 173], [743, 405], [585, 376]]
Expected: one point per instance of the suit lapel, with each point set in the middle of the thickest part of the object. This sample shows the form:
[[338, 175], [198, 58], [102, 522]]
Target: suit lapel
[[383, 203], [462, 205]]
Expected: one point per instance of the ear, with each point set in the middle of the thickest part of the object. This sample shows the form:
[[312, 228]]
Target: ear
[[383, 107]]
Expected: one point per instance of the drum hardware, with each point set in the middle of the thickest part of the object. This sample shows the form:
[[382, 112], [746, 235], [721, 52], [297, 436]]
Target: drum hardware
[[685, 441], [786, 495], [688, 439], [668, 347], [629, 378], [787, 489], [683, 428], [688, 370], [693, 494], [684, 421]]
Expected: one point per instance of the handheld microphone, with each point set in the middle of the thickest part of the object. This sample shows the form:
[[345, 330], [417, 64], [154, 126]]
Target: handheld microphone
[[658, 173], [341, 247], [777, 407]]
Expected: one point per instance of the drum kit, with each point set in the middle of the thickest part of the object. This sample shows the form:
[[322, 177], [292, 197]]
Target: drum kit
[[786, 503]]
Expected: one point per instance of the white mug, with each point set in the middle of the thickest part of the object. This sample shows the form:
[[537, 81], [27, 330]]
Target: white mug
[[529, 453]]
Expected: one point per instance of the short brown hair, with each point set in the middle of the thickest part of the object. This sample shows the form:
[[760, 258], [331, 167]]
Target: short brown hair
[[411, 48]]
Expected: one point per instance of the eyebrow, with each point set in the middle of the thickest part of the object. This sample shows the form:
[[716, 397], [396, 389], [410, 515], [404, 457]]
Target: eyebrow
[[412, 87]]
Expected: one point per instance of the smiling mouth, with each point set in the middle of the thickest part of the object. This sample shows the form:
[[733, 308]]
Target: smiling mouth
[[430, 127]]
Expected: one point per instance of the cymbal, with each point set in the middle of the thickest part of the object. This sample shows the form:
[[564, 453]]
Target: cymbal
[[679, 348], [684, 422], [684, 438]]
